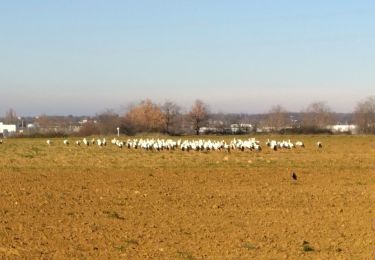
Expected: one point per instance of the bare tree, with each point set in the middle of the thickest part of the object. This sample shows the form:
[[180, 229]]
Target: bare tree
[[11, 117], [146, 116], [364, 115], [43, 121], [108, 122], [54, 124], [317, 115], [198, 114], [171, 112], [89, 128], [277, 117]]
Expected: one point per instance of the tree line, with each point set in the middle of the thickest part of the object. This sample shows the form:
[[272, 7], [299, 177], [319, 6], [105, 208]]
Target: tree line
[[169, 118], [149, 117], [318, 115]]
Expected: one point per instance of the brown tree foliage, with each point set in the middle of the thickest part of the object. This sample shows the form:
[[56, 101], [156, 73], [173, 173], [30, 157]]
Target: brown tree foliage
[[198, 115], [43, 121], [317, 115], [364, 115], [145, 117], [277, 118], [89, 128]]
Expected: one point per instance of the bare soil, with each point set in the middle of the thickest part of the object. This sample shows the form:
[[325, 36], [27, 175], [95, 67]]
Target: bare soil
[[89, 203]]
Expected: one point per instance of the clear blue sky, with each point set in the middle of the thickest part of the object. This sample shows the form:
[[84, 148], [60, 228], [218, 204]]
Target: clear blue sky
[[81, 57]]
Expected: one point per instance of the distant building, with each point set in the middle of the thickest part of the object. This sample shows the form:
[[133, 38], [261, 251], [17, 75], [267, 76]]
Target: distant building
[[7, 129], [207, 130], [241, 128], [353, 129]]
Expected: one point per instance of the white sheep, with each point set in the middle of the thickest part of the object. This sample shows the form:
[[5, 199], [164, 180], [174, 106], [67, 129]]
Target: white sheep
[[85, 142], [300, 144], [119, 144]]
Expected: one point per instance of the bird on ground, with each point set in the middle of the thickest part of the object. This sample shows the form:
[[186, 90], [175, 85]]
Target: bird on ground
[[294, 176]]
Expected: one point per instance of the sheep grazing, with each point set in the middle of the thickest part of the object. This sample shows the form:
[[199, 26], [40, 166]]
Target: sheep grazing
[[272, 144], [49, 142], [200, 145], [300, 144], [257, 147], [319, 145], [66, 142], [119, 144], [85, 142], [1, 141], [99, 142]]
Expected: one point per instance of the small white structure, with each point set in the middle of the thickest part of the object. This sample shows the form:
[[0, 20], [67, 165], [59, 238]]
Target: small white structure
[[7, 129], [343, 128], [206, 129], [236, 128]]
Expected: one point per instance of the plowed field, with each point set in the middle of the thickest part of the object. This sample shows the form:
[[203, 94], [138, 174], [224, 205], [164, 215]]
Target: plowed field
[[64, 202]]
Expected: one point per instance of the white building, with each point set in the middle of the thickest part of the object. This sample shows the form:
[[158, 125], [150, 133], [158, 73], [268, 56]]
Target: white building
[[206, 129], [236, 128], [7, 129], [343, 128]]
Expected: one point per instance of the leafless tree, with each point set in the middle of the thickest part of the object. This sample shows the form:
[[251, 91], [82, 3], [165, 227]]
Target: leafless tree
[[108, 122], [171, 112], [145, 117], [53, 124], [317, 115], [10, 117], [89, 128], [198, 114], [43, 121], [364, 115], [277, 117]]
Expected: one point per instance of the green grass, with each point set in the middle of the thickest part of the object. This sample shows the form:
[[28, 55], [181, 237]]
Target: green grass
[[249, 246], [306, 247], [185, 255], [113, 214], [126, 244]]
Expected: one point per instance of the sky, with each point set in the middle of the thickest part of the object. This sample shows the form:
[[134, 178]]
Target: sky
[[83, 57]]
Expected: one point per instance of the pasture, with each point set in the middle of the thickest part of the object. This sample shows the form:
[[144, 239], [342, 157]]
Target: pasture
[[82, 202]]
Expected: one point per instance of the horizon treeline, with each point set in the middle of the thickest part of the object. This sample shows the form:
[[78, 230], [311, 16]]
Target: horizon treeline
[[168, 118]]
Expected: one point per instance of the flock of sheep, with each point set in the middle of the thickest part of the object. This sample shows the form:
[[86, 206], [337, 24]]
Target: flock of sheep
[[152, 144]]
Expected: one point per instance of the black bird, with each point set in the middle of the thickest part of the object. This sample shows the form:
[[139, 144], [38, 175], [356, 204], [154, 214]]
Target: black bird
[[294, 176]]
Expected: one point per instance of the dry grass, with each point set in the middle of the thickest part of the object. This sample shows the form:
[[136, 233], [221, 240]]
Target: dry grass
[[88, 202]]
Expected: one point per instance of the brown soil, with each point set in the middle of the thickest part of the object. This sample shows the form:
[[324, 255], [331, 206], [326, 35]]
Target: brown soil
[[84, 203]]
